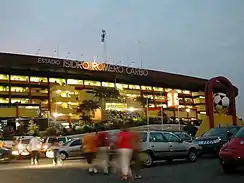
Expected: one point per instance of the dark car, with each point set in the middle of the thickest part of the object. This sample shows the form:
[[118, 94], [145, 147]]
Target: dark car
[[184, 136], [213, 139], [231, 154], [5, 155]]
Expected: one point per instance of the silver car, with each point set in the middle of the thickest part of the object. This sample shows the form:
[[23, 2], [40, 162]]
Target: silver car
[[71, 149], [160, 145]]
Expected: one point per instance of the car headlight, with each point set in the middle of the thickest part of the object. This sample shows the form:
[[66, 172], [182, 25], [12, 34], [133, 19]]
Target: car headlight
[[20, 147], [216, 141]]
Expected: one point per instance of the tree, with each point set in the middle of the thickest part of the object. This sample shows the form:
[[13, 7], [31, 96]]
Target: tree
[[87, 110], [104, 94], [32, 128], [143, 101]]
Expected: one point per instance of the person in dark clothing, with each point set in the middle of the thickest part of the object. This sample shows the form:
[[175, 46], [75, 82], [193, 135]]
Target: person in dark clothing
[[55, 149]]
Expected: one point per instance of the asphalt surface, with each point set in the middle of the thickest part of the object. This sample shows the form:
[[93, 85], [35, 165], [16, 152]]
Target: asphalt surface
[[205, 170]]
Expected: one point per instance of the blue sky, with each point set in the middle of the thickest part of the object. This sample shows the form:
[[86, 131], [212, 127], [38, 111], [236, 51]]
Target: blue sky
[[203, 38]]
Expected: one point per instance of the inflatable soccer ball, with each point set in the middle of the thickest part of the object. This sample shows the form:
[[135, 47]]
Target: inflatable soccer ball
[[221, 101]]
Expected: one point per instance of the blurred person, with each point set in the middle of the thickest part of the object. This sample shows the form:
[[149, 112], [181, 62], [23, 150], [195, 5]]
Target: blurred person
[[34, 147], [125, 149], [2, 144], [55, 149], [136, 141], [103, 151], [89, 148]]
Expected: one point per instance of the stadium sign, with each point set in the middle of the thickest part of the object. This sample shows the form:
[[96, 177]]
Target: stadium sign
[[93, 66]]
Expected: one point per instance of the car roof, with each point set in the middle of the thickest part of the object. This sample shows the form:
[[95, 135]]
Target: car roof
[[156, 131]]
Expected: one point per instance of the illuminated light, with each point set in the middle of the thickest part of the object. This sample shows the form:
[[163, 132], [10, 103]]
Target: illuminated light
[[58, 91], [188, 110], [70, 114], [20, 146], [59, 103], [55, 114], [202, 112], [131, 109], [17, 124]]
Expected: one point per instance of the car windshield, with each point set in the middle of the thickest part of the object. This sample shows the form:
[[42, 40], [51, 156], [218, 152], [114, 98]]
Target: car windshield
[[240, 133], [215, 132]]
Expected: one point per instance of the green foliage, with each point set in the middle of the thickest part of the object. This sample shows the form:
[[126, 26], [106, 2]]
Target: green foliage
[[87, 110], [143, 101], [52, 131], [32, 128]]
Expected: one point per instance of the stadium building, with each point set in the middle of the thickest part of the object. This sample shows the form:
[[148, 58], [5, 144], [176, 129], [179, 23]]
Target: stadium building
[[31, 86]]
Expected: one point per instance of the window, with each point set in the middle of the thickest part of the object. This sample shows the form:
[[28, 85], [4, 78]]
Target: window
[[121, 86], [171, 137], [57, 81], [76, 143], [74, 82], [233, 130], [146, 87], [134, 87], [157, 137], [62, 140], [18, 78], [158, 89], [92, 83], [4, 88], [107, 84], [143, 137], [240, 133], [186, 92], [38, 79], [4, 77]]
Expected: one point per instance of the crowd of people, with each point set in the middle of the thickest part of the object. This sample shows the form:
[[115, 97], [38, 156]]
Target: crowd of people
[[126, 147]]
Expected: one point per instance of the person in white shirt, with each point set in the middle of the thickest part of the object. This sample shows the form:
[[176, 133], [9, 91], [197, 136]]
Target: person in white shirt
[[34, 147]]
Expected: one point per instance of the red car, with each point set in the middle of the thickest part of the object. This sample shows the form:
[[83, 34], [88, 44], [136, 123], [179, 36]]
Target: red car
[[232, 153]]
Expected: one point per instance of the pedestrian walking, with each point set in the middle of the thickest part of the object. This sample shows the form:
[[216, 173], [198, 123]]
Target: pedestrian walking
[[103, 151], [34, 148], [125, 149], [90, 147], [137, 163], [55, 149]]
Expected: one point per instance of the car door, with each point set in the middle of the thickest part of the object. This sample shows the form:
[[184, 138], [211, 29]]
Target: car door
[[75, 148], [159, 144], [176, 145]]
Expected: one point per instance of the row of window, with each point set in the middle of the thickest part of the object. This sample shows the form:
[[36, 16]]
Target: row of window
[[22, 89], [87, 83]]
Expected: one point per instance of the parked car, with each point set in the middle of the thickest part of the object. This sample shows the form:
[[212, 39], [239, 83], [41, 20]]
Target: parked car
[[46, 142], [184, 136], [231, 154], [5, 155], [71, 148], [213, 139], [160, 145], [21, 147]]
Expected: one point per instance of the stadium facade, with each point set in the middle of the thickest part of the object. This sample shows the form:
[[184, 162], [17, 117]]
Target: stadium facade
[[35, 85]]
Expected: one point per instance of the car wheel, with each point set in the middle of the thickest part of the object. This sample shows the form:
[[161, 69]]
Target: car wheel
[[63, 155], [147, 159], [192, 155]]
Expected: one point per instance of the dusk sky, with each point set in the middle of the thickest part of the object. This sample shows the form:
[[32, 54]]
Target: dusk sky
[[203, 38]]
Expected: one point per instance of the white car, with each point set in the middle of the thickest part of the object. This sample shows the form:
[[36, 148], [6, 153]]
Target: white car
[[21, 148]]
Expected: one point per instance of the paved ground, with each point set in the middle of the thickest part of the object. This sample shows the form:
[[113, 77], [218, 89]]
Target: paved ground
[[204, 171]]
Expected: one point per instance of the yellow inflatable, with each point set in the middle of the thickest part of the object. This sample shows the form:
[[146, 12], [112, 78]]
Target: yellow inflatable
[[219, 120]]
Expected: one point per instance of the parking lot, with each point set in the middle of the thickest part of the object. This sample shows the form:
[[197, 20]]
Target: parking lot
[[204, 170]]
